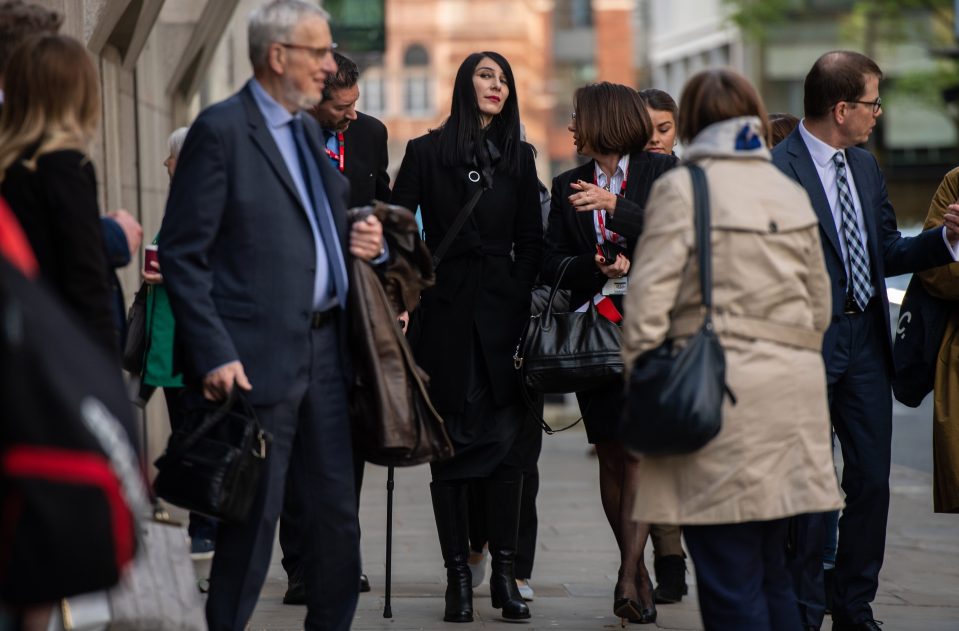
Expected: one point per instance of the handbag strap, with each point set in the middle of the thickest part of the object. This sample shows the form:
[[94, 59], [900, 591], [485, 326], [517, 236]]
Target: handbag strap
[[461, 218], [560, 273], [703, 243], [214, 419]]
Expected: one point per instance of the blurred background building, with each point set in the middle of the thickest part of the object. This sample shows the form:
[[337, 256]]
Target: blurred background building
[[162, 61]]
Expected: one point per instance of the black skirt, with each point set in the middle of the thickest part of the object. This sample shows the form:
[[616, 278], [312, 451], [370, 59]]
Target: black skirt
[[602, 409], [484, 436]]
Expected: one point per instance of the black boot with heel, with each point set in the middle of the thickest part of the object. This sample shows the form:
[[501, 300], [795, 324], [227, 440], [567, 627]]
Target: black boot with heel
[[502, 511], [450, 510]]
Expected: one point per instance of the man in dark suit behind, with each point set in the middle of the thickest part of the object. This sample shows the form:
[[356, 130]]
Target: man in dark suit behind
[[355, 142], [862, 245], [356, 146], [253, 249]]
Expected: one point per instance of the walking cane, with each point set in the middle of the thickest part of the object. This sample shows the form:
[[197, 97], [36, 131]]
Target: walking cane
[[387, 609]]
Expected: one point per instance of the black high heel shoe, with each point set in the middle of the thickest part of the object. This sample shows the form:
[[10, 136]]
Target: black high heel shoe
[[647, 615]]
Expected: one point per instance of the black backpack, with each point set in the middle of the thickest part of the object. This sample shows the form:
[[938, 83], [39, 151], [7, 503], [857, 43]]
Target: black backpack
[[68, 473]]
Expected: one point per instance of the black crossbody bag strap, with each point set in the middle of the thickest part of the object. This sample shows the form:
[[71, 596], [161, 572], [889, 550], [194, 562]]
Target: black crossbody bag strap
[[461, 218]]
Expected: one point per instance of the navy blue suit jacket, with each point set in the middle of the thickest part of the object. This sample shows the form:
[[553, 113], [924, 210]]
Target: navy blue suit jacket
[[236, 249], [890, 253]]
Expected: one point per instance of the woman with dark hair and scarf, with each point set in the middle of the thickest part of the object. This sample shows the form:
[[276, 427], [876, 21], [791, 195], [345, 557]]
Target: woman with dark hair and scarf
[[469, 321]]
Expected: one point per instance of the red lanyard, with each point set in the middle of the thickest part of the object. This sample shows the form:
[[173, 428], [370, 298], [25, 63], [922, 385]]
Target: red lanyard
[[340, 158], [609, 235]]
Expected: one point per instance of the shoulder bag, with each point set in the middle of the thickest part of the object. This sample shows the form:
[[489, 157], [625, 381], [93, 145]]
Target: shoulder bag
[[922, 323], [214, 459], [134, 350], [568, 352], [159, 592], [675, 396]]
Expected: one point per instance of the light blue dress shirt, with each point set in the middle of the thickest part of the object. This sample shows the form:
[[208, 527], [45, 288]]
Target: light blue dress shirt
[[278, 121]]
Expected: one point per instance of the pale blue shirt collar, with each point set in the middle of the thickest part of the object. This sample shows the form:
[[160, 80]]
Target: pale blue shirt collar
[[820, 152], [275, 114]]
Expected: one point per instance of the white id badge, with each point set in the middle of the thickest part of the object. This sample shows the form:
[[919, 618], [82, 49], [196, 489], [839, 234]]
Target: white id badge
[[615, 287]]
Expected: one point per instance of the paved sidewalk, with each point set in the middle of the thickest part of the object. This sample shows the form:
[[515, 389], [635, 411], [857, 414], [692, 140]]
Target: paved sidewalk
[[577, 560]]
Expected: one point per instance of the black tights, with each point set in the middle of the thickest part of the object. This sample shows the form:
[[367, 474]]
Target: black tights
[[618, 480]]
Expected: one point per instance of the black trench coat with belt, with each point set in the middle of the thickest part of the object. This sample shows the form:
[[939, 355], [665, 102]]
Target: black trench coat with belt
[[483, 283]]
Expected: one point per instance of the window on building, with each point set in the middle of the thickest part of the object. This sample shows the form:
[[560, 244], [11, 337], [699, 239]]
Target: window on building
[[571, 14], [417, 85], [372, 94]]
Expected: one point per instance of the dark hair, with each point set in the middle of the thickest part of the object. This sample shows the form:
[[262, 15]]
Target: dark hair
[[611, 118], [781, 125], [837, 76], [347, 74], [716, 95], [660, 101], [458, 135], [19, 20]]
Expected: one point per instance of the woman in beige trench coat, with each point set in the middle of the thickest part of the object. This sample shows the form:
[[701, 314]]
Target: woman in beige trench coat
[[944, 283], [772, 459]]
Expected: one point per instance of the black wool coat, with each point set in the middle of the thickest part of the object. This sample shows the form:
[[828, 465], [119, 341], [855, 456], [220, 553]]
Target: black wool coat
[[571, 233], [483, 283], [366, 160], [56, 204]]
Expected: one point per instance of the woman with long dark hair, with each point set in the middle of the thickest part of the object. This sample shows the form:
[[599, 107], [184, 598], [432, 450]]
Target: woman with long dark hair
[[596, 217], [469, 322]]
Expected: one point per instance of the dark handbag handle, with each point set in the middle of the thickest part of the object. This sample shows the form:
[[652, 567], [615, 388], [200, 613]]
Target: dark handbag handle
[[524, 390], [461, 218], [703, 243], [214, 419]]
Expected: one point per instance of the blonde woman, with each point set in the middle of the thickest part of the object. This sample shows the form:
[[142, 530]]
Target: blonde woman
[[50, 113]]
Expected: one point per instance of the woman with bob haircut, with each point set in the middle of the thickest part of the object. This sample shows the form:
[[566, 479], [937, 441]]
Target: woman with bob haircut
[[772, 458], [50, 114], [468, 323], [596, 217]]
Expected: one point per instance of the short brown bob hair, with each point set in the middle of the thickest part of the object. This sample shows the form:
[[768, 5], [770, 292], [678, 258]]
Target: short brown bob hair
[[611, 118], [716, 95]]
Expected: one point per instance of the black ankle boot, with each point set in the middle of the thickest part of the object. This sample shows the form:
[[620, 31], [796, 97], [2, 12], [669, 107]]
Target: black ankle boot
[[450, 510], [502, 511], [670, 579]]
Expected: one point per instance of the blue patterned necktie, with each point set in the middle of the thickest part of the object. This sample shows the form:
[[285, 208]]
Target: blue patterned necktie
[[324, 219], [859, 287]]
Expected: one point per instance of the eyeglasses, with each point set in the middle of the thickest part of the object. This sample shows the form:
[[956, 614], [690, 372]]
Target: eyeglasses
[[876, 105], [317, 54]]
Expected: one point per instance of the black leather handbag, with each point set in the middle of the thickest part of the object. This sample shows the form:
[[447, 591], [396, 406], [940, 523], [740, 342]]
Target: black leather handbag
[[135, 348], [675, 396], [214, 460], [568, 352]]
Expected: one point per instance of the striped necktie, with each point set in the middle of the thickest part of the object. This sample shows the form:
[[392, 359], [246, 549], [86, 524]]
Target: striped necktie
[[859, 287]]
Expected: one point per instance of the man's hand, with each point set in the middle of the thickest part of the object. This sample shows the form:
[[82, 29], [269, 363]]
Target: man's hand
[[951, 221], [131, 228], [217, 384], [366, 238]]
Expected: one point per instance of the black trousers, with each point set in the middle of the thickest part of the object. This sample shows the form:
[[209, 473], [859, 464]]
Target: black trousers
[[860, 405], [741, 576], [291, 519], [313, 446]]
